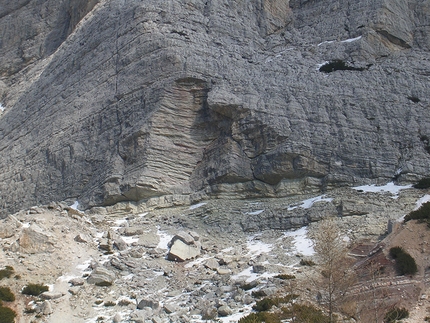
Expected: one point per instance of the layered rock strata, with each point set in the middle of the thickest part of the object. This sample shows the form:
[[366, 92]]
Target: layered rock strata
[[140, 99]]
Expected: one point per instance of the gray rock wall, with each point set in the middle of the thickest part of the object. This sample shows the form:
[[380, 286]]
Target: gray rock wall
[[213, 98]]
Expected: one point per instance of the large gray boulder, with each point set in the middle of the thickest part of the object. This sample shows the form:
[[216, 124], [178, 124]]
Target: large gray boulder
[[183, 247], [101, 277], [130, 101]]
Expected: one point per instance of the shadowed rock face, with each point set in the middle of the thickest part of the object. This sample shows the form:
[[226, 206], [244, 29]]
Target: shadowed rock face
[[128, 100]]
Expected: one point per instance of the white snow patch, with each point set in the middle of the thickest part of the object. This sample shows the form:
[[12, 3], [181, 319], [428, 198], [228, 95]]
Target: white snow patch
[[67, 278], [390, 187], [235, 317], [164, 239], [75, 205], [227, 249], [198, 261], [128, 277], [196, 206], [130, 240], [306, 204], [350, 40], [322, 64], [421, 201], [26, 225], [251, 276], [1, 107], [255, 212], [142, 214], [158, 273], [84, 266], [302, 244], [256, 248], [326, 42], [120, 222]]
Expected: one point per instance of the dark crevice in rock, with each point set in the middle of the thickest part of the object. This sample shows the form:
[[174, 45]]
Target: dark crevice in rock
[[393, 39], [414, 99], [340, 65]]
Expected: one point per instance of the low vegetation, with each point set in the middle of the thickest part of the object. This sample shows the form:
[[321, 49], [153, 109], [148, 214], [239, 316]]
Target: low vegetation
[[7, 315], [423, 183], [285, 276], [34, 289], [405, 263], [6, 294], [267, 303], [422, 214], [298, 312], [307, 262], [396, 314], [6, 272]]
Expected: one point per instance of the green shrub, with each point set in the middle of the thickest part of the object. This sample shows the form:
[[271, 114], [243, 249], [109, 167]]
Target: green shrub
[[7, 315], [307, 262], [109, 303], [423, 183], [34, 289], [285, 276], [125, 302], [6, 273], [305, 313], [6, 294], [266, 303], [422, 214], [260, 317], [258, 293], [395, 252], [405, 263], [249, 286], [396, 314]]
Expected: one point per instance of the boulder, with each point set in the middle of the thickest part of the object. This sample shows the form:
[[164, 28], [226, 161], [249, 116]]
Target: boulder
[[183, 247], [180, 251], [258, 268], [224, 310], [51, 295], [153, 304], [46, 308], [34, 239], [117, 318], [223, 271], [212, 263], [76, 281], [83, 238], [131, 231], [149, 240], [101, 277]]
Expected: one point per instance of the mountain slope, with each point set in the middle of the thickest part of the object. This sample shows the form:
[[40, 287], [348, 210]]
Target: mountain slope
[[213, 98]]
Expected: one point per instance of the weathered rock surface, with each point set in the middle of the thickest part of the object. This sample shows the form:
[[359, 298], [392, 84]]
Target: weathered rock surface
[[183, 247], [175, 102], [101, 276]]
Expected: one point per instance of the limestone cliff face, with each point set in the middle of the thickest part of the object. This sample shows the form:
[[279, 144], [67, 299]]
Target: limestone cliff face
[[131, 99]]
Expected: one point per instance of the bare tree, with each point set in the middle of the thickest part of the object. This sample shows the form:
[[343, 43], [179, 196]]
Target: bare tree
[[337, 276]]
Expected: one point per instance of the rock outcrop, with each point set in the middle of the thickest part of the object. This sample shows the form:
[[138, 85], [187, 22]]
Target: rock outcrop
[[183, 247], [134, 100]]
